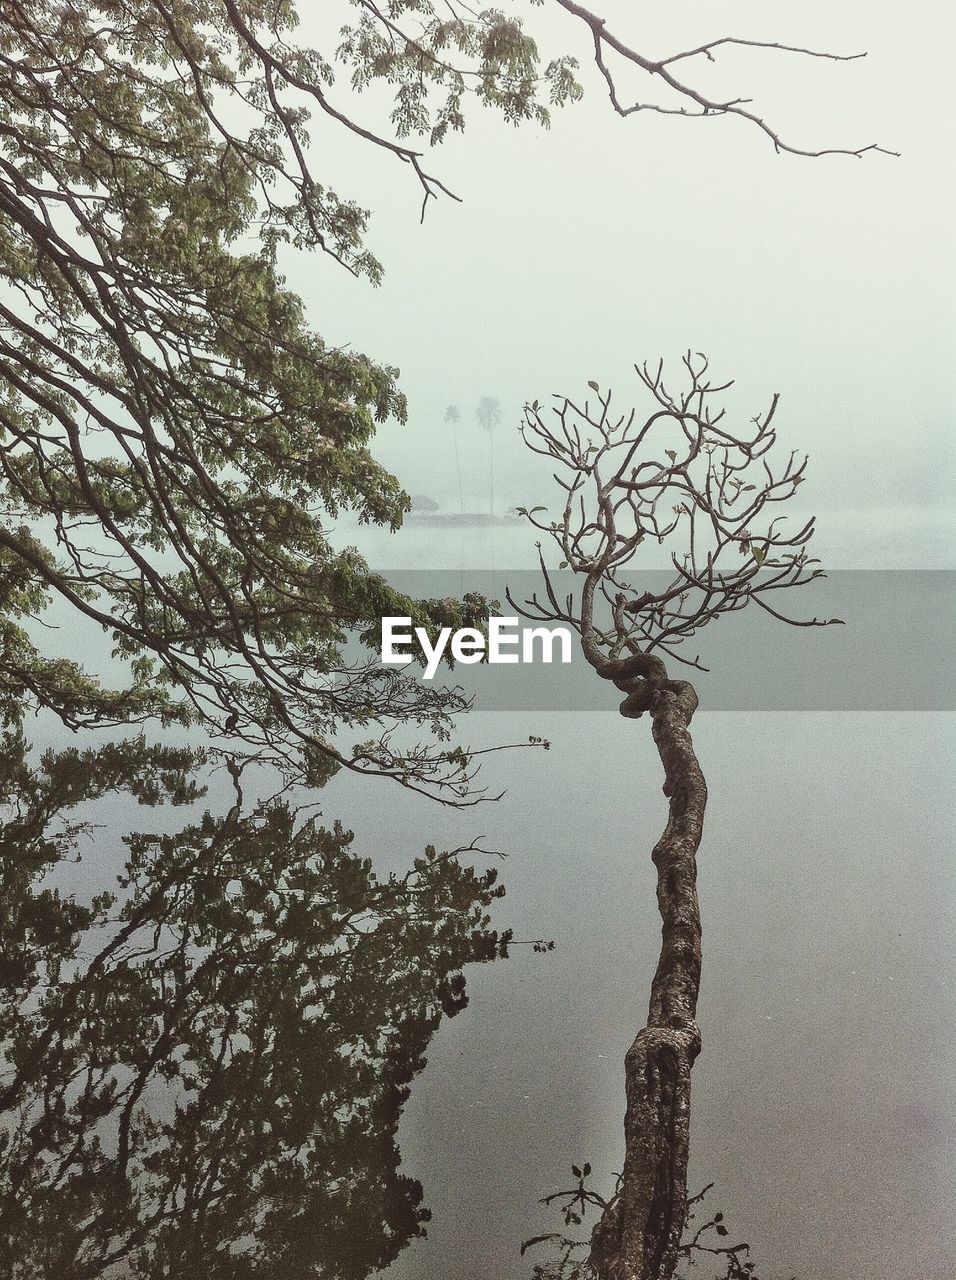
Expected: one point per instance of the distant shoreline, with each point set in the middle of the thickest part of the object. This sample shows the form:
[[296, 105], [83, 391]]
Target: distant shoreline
[[466, 520]]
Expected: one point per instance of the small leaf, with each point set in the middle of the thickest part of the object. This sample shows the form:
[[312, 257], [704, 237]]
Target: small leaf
[[594, 386], [576, 1171], [587, 1169], [534, 509], [720, 1229], [759, 554], [563, 564], [671, 454]]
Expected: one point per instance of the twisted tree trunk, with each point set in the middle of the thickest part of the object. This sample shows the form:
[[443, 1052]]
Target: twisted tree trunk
[[639, 1235]]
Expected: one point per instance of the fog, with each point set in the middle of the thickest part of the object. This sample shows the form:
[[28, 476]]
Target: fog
[[579, 251]]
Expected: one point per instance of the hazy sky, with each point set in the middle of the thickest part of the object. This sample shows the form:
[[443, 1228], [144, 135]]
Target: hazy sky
[[578, 251]]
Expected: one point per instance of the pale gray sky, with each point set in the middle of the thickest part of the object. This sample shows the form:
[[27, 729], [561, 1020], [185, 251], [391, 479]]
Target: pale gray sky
[[577, 251]]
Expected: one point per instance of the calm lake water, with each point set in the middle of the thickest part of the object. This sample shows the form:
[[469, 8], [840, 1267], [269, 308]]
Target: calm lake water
[[825, 1096]]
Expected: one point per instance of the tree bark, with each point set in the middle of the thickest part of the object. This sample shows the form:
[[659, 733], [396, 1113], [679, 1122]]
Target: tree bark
[[639, 1235]]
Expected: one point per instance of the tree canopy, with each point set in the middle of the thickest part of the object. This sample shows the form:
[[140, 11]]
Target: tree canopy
[[176, 439]]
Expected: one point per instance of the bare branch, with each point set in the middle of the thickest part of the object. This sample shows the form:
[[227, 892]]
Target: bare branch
[[692, 102]]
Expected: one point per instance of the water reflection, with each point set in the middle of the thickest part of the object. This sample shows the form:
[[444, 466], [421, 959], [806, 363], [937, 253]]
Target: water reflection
[[205, 1061]]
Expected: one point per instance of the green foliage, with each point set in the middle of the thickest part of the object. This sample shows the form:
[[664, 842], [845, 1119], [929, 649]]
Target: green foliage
[[174, 436], [503, 68]]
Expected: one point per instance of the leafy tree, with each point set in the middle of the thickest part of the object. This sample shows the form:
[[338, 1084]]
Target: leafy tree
[[174, 435], [685, 478], [204, 1067]]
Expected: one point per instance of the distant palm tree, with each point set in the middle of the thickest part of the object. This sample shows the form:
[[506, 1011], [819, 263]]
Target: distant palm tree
[[453, 416], [488, 413]]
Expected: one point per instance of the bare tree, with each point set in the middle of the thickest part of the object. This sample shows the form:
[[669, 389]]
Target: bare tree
[[681, 477]]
